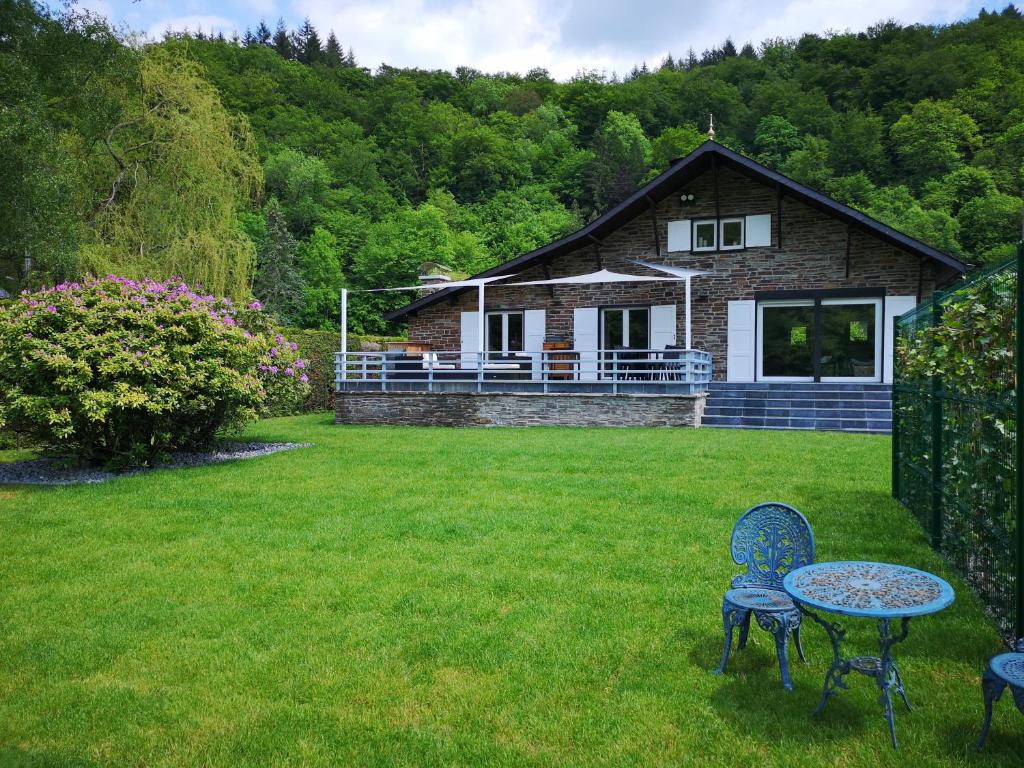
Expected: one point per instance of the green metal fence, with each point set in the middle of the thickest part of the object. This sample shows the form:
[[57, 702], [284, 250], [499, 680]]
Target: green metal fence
[[956, 404]]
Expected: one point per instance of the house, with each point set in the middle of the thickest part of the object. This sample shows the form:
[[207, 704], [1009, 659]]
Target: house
[[797, 292]]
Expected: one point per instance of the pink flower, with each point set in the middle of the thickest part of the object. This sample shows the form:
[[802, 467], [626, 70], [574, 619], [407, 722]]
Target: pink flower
[[52, 309], [273, 369], [304, 379], [28, 335], [289, 371], [273, 351], [256, 305], [300, 363], [294, 346]]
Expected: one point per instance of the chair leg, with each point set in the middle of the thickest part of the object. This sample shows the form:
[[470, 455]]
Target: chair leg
[[781, 631], [731, 616], [991, 689], [799, 645], [744, 631]]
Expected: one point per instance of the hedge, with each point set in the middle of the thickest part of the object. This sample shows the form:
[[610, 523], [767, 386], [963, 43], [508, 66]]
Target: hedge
[[318, 349]]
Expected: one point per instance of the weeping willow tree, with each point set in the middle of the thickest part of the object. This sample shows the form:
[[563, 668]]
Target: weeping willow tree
[[178, 169]]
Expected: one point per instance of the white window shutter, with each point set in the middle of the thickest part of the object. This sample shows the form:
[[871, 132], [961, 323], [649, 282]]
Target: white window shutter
[[759, 231], [584, 326], [663, 326], [739, 364], [679, 235], [470, 339], [533, 337], [894, 307]]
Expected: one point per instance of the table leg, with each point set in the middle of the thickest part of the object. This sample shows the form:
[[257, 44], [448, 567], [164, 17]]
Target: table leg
[[888, 677], [839, 667]]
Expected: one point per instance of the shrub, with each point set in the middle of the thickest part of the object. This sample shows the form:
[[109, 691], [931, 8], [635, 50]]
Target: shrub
[[318, 349], [120, 372]]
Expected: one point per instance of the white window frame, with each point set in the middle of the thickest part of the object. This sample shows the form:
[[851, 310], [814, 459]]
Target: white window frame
[[625, 323], [879, 362], [504, 314], [759, 341], [714, 226], [879, 332], [721, 233]]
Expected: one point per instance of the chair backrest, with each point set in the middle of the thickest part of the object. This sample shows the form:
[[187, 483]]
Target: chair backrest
[[771, 539]]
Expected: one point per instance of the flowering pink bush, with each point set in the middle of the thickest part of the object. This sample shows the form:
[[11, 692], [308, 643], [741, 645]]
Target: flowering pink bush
[[121, 371]]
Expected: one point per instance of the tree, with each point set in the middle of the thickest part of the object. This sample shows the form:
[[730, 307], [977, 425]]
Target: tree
[[334, 54], [262, 36], [988, 222], [282, 42], [932, 140], [320, 269], [775, 140], [176, 171], [957, 188], [856, 145], [897, 207], [622, 156], [278, 284], [308, 48], [300, 184], [674, 143], [809, 165]]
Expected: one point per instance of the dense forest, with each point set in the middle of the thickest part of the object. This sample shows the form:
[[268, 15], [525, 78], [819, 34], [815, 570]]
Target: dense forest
[[273, 164]]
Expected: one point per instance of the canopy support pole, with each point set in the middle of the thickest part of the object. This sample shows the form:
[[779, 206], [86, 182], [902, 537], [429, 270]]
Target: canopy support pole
[[688, 334], [480, 323], [344, 333]]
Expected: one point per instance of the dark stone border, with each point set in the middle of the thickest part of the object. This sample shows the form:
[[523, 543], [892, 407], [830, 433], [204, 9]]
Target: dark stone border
[[505, 409], [47, 472]]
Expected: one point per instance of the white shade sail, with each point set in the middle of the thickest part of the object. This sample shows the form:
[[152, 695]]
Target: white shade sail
[[677, 271], [601, 276], [473, 282]]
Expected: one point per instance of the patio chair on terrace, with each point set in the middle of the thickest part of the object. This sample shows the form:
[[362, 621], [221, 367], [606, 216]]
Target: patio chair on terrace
[[770, 539]]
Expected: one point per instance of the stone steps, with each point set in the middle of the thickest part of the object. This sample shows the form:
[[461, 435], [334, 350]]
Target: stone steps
[[844, 407]]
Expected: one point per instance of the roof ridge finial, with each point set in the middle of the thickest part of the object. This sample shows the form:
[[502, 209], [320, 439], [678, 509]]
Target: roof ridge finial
[[711, 128]]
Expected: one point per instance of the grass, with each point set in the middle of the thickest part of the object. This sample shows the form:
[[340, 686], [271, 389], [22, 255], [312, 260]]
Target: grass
[[509, 597]]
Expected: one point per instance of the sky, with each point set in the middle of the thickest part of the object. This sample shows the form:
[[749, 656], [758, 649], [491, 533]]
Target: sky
[[563, 37]]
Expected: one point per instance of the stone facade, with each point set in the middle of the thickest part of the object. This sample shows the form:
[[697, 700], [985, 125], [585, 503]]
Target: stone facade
[[468, 409], [812, 256]]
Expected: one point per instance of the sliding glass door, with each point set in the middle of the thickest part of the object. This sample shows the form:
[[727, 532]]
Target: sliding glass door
[[624, 328], [819, 340]]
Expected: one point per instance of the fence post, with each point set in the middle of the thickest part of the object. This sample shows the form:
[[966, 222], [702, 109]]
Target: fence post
[[936, 385], [1018, 495], [895, 426]]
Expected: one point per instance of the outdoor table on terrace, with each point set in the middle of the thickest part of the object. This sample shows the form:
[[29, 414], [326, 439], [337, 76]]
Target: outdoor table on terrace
[[879, 591]]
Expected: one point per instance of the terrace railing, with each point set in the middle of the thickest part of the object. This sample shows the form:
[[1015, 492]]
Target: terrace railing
[[636, 371]]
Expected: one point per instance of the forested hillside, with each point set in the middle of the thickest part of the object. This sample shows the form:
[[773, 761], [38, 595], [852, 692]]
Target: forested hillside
[[276, 163]]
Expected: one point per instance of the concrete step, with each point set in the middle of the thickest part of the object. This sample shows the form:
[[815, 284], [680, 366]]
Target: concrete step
[[800, 405]]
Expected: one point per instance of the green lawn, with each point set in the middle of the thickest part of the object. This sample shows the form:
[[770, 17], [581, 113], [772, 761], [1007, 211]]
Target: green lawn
[[439, 597]]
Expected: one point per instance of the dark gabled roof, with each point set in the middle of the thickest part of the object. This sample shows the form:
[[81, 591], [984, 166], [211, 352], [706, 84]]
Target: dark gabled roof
[[682, 172]]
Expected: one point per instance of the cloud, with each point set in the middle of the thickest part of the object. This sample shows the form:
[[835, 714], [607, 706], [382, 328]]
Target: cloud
[[517, 35], [563, 36]]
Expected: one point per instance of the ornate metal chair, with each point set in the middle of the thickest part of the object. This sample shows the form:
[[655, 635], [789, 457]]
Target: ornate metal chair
[[1004, 671], [771, 540]]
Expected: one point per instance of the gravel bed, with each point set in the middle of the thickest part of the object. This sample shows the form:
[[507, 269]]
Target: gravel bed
[[46, 472]]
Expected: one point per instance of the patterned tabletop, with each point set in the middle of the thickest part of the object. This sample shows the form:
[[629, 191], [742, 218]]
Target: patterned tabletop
[[873, 590]]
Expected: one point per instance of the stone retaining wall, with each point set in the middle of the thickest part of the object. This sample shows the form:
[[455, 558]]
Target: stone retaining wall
[[501, 409]]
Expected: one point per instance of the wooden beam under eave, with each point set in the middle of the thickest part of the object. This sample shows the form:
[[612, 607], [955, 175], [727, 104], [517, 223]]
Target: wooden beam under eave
[[597, 250], [778, 212], [849, 232], [718, 197], [654, 226], [546, 266]]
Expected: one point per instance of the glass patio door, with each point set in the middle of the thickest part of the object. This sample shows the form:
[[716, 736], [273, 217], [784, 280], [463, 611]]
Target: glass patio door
[[820, 340], [851, 345], [624, 328], [787, 341]]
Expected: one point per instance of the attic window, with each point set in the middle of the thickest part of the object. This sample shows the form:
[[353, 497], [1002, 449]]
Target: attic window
[[704, 235], [732, 234]]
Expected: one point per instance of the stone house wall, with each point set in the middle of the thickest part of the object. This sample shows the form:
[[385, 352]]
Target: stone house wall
[[813, 255]]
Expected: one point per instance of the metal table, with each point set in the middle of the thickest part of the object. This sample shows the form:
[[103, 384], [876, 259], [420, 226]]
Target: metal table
[[874, 591]]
